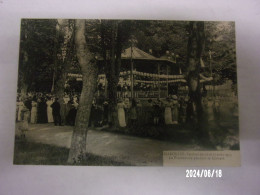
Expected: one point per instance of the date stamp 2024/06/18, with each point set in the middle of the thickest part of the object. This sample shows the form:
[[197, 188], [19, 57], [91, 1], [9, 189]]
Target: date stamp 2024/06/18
[[204, 173]]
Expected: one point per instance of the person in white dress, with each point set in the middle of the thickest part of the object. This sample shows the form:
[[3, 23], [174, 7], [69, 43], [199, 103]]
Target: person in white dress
[[34, 111], [168, 112], [49, 110], [23, 126], [121, 113]]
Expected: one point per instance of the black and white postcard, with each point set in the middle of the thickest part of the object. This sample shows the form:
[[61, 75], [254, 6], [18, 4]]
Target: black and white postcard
[[127, 93]]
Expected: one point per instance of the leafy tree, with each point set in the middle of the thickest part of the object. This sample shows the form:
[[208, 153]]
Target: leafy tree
[[221, 44], [36, 59], [196, 46]]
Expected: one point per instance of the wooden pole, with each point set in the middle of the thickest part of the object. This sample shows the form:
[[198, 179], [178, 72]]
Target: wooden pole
[[167, 81], [159, 86], [212, 87], [53, 81], [106, 94], [132, 76]]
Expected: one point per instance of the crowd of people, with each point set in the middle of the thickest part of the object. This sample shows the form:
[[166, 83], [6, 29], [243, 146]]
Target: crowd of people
[[46, 108], [170, 111]]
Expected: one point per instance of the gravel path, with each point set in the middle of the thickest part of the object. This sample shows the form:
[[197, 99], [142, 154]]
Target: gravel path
[[124, 148]]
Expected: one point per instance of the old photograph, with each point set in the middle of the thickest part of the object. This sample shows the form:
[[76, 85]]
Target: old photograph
[[124, 92]]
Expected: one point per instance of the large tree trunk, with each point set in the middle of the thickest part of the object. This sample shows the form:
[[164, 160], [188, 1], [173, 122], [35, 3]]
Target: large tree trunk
[[89, 79], [112, 80], [196, 44]]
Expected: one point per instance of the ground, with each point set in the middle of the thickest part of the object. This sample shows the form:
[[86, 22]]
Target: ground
[[125, 149]]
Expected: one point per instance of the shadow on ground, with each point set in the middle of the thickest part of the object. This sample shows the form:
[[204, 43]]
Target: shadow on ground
[[28, 153]]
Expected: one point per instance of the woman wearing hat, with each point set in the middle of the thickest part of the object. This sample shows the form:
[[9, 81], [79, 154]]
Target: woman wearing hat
[[23, 127], [20, 105], [49, 110], [34, 111], [168, 112], [121, 113]]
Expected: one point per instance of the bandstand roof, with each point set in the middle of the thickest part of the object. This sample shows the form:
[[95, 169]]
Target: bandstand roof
[[137, 54]]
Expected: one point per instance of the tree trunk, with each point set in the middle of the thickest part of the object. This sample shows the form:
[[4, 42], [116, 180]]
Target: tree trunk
[[111, 39], [111, 70], [196, 44], [89, 80]]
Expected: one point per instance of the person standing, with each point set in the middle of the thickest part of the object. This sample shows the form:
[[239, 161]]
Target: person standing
[[20, 105], [63, 107], [148, 116], [127, 104], [140, 113], [175, 109], [105, 112], [121, 113], [168, 112], [42, 111], [99, 116], [24, 127], [49, 110], [156, 112], [72, 113], [56, 112], [34, 111], [190, 112], [66, 100], [133, 113], [182, 110]]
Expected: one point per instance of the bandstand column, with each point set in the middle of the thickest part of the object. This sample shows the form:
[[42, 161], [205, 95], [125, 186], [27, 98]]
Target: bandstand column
[[159, 86]]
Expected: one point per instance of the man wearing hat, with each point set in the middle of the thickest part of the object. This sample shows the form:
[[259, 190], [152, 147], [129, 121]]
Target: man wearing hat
[[56, 112], [64, 109]]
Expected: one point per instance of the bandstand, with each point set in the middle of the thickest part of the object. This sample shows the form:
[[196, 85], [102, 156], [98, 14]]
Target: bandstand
[[144, 76]]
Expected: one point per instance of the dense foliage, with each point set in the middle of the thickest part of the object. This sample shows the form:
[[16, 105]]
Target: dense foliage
[[44, 47]]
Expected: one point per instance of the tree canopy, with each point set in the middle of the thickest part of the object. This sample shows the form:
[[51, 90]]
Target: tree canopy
[[42, 50]]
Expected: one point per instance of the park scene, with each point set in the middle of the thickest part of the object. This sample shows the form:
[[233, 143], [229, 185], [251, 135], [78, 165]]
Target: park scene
[[120, 92]]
